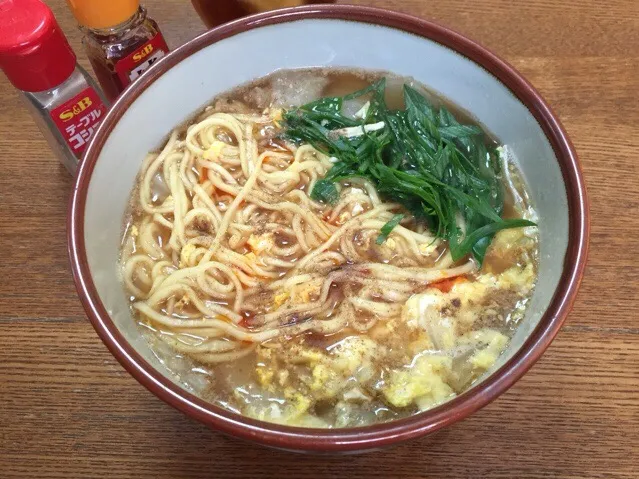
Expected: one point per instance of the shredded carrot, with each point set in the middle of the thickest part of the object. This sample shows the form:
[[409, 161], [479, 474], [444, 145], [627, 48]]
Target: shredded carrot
[[203, 175], [447, 284]]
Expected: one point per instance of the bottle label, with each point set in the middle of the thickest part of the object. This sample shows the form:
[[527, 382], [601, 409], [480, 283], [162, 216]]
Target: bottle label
[[78, 118], [131, 67]]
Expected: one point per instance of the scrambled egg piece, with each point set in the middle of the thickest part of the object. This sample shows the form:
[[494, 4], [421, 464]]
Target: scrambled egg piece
[[508, 237], [185, 255], [298, 294], [423, 384], [516, 278], [322, 375], [494, 342], [298, 404], [304, 293], [331, 373], [214, 151], [441, 320], [261, 243], [426, 311], [428, 248], [443, 316], [353, 352], [350, 359], [302, 355], [280, 298], [292, 412], [511, 246], [390, 243], [289, 394], [473, 292], [265, 377]]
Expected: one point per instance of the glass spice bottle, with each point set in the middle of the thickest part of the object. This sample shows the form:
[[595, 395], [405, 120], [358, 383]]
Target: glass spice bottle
[[217, 12], [121, 41], [63, 99]]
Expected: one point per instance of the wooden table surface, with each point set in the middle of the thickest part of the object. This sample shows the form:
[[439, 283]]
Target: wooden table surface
[[68, 409]]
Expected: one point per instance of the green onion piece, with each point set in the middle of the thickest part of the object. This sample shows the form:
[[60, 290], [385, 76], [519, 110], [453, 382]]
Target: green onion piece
[[388, 227], [325, 191]]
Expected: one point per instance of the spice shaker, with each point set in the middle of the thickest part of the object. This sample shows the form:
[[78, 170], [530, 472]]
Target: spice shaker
[[121, 41], [37, 59]]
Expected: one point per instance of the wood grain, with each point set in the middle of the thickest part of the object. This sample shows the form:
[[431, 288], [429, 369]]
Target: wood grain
[[67, 409]]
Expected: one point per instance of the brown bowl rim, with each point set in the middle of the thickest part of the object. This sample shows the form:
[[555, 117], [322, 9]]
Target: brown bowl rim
[[369, 437]]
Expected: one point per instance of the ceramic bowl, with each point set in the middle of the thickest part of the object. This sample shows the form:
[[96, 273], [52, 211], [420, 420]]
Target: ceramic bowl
[[328, 36]]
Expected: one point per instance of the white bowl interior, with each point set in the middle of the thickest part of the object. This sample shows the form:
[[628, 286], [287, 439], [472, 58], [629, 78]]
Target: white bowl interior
[[192, 83]]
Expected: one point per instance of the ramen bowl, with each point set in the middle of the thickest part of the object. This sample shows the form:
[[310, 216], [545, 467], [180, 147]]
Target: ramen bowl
[[327, 36]]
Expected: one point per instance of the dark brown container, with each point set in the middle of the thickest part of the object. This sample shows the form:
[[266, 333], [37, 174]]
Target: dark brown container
[[217, 12]]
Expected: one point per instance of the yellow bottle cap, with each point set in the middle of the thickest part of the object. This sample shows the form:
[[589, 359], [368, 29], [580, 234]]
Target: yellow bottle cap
[[103, 13]]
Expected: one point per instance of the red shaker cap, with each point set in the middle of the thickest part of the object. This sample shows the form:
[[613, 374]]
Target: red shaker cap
[[34, 53]]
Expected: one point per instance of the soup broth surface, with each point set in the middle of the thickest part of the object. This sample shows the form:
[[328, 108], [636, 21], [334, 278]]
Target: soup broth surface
[[271, 303]]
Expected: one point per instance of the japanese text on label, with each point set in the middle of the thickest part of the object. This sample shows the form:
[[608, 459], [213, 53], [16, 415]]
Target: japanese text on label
[[78, 118]]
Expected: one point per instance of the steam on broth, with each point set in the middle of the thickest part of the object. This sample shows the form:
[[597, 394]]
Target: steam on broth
[[304, 255]]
